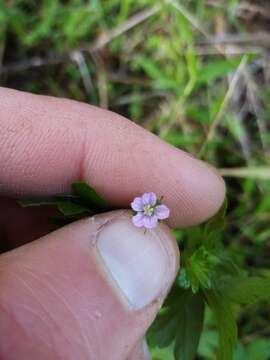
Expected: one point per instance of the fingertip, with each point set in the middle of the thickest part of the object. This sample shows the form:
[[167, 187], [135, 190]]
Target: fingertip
[[201, 196], [192, 189]]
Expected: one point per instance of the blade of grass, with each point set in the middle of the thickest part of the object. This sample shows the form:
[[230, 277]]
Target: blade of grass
[[261, 173], [196, 24], [224, 104], [125, 26]]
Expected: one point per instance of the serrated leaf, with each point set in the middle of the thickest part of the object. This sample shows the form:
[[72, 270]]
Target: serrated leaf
[[179, 323], [163, 331], [182, 279], [88, 195], [189, 328], [226, 324], [199, 268]]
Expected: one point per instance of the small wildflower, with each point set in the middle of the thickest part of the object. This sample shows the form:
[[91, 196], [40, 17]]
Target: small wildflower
[[149, 211]]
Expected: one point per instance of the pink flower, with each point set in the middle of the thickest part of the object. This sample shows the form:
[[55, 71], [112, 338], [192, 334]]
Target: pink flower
[[149, 211]]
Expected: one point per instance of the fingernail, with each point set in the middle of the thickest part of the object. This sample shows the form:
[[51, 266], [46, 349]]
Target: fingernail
[[143, 264]]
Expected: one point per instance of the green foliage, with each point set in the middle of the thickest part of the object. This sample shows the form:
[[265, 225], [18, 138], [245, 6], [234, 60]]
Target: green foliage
[[202, 259], [162, 354], [88, 195], [214, 70], [217, 222], [83, 201], [247, 290], [180, 323], [69, 208], [37, 202], [209, 276], [199, 268], [208, 343], [190, 328], [226, 324], [256, 350]]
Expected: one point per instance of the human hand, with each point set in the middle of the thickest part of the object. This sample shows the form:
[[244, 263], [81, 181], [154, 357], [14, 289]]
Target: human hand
[[91, 289]]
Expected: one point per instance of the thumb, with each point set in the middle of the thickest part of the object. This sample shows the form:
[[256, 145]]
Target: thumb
[[87, 291]]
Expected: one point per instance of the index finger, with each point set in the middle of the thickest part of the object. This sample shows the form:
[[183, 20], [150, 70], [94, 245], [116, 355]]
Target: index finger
[[47, 143]]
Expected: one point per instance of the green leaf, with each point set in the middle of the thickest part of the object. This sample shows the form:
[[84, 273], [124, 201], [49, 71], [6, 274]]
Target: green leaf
[[179, 323], [37, 202], [88, 195], [217, 222], [69, 208], [189, 328], [66, 204], [226, 324], [247, 290], [182, 279], [208, 344], [162, 354], [163, 331], [84, 201], [199, 268], [240, 352], [216, 69], [157, 73], [258, 350], [181, 140]]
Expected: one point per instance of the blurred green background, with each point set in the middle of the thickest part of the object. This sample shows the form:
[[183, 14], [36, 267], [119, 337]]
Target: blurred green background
[[194, 72]]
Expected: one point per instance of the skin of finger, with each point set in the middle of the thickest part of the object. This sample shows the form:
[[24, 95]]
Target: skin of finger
[[47, 143], [140, 352], [56, 300]]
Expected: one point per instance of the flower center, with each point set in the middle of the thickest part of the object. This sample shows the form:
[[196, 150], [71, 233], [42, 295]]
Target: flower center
[[148, 210]]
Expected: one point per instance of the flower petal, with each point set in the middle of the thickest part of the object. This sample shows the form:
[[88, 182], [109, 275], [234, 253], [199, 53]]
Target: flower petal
[[162, 212], [150, 221], [138, 220], [149, 198], [137, 204]]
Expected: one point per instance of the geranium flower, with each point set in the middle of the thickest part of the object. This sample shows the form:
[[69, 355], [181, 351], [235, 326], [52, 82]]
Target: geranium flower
[[149, 211]]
